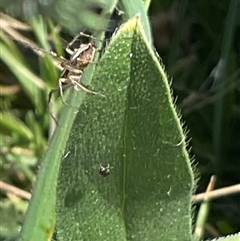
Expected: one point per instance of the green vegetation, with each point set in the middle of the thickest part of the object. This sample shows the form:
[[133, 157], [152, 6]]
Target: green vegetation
[[132, 125]]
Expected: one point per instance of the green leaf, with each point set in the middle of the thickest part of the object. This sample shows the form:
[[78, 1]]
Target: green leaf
[[135, 130], [9, 123], [39, 223], [234, 237], [131, 8], [29, 81]]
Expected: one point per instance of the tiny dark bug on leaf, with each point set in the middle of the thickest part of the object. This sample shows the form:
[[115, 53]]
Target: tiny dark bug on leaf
[[104, 170]]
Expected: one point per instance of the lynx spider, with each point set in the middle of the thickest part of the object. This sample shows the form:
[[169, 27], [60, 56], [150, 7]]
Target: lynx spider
[[73, 68]]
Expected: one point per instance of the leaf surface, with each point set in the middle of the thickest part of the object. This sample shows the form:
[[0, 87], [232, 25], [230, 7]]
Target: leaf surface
[[134, 129]]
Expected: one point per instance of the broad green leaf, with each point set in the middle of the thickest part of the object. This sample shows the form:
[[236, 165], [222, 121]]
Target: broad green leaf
[[135, 129], [233, 237]]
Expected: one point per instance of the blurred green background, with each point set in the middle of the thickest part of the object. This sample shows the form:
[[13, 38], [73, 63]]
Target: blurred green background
[[199, 44]]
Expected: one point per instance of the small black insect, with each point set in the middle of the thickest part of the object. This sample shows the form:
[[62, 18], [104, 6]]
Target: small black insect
[[104, 170]]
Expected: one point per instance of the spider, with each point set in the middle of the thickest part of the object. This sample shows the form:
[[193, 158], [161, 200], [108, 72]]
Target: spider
[[73, 68]]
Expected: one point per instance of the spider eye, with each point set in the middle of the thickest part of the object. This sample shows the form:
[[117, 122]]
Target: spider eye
[[104, 170]]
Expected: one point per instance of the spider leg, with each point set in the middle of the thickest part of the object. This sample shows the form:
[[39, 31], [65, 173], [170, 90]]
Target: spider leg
[[62, 87], [77, 84], [68, 66], [86, 35]]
